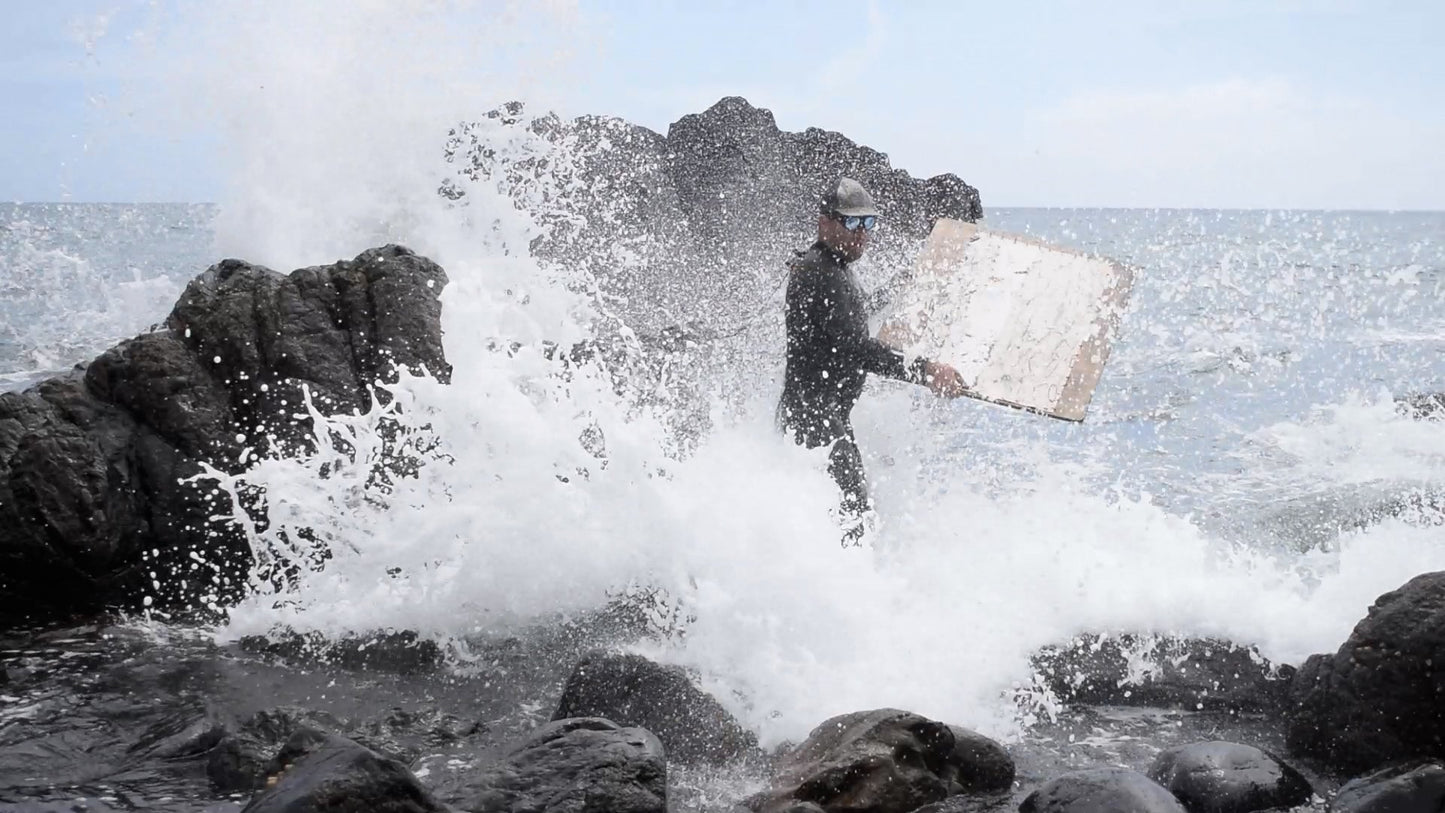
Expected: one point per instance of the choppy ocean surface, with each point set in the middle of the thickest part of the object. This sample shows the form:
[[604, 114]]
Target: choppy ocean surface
[[1243, 472]]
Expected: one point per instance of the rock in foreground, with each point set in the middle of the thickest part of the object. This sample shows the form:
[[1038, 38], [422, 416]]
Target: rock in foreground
[[1379, 698], [1227, 777], [1102, 790], [576, 765], [630, 690], [883, 761], [318, 772], [1411, 787]]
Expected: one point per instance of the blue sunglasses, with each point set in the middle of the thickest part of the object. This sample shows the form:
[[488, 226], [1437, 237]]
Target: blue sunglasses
[[854, 223]]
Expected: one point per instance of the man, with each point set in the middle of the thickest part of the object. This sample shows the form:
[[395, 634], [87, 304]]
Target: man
[[830, 351]]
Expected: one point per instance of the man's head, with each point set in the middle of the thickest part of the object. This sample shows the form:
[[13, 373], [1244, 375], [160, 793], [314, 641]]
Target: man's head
[[846, 215]]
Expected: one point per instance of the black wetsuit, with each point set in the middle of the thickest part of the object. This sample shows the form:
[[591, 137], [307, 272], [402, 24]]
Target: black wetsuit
[[830, 353]]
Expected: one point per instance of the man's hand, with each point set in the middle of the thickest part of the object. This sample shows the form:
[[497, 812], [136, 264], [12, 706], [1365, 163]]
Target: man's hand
[[943, 380]]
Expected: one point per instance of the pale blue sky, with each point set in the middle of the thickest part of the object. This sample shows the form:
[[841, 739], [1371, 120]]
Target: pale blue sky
[[1238, 104]]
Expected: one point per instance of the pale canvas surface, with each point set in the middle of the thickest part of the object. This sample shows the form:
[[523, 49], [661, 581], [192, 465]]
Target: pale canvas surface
[[1028, 325]]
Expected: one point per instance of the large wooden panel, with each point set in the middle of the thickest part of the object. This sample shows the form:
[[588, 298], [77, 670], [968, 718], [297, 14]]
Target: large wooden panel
[[1027, 324]]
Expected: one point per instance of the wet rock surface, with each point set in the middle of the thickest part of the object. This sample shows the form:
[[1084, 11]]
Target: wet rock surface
[[94, 464], [1377, 699], [1136, 670], [1226, 777], [631, 690], [1411, 787], [1102, 790], [574, 765], [316, 772], [880, 761]]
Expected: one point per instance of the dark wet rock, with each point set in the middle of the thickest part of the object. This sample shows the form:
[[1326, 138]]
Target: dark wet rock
[[401, 652], [1227, 777], [965, 804], [316, 772], [241, 758], [179, 736], [631, 690], [1411, 787], [575, 765], [1102, 790], [82, 804], [736, 172], [883, 760], [236, 754], [1429, 406], [1378, 698], [93, 463], [978, 764], [1197, 674]]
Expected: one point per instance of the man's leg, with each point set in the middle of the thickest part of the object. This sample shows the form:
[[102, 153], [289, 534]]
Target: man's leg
[[845, 463]]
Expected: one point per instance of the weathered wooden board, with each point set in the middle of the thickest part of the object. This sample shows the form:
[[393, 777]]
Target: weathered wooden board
[[1028, 325]]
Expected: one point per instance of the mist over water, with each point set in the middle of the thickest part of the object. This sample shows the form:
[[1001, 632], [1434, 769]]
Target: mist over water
[[1243, 423]]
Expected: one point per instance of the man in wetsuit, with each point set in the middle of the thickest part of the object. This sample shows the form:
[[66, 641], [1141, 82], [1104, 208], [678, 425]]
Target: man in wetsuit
[[830, 351]]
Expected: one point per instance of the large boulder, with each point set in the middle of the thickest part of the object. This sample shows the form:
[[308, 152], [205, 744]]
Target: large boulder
[[1410, 787], [631, 690], [323, 773], [1227, 777], [883, 761], [95, 507], [1378, 699], [1189, 673], [1102, 790], [577, 765], [978, 764]]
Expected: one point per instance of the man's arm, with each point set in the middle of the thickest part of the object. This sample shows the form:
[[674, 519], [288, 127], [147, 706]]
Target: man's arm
[[845, 331]]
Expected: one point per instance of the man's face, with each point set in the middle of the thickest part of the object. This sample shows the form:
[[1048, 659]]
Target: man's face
[[850, 244]]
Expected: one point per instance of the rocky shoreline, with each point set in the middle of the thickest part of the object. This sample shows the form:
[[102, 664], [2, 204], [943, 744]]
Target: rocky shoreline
[[1363, 736], [620, 729], [100, 511]]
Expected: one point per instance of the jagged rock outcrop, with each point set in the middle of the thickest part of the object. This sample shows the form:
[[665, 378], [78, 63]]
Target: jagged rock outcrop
[[1378, 698], [95, 505], [702, 218]]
